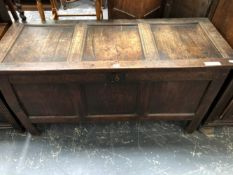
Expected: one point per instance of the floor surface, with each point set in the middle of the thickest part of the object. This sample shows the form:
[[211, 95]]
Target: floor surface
[[119, 148]]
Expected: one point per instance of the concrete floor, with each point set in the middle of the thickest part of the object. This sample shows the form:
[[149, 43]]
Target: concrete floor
[[116, 148], [119, 148]]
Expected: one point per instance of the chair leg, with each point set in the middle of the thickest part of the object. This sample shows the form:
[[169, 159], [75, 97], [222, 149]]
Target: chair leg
[[98, 7], [54, 9], [104, 4], [63, 3], [40, 10], [20, 10], [12, 9]]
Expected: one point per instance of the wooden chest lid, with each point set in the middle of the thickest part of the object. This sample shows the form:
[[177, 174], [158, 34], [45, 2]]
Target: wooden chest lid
[[114, 45]]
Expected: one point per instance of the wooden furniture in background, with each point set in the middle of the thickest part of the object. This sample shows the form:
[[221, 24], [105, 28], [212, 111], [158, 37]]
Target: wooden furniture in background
[[40, 5], [11, 8], [64, 3], [223, 19], [119, 70], [5, 20], [98, 7], [31, 5], [4, 16], [188, 8], [222, 111], [40, 8], [18, 7], [14, 5], [128, 9]]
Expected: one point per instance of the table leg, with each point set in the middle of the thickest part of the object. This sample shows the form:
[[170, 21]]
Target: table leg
[[40, 10], [20, 10]]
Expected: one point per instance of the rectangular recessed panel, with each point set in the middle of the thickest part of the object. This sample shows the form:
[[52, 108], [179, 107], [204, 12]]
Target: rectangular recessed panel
[[176, 96], [45, 99], [111, 99], [41, 44], [113, 43], [185, 41]]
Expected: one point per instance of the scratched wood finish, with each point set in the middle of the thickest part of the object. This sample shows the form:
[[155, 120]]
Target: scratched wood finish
[[183, 39], [45, 37], [118, 70], [112, 40]]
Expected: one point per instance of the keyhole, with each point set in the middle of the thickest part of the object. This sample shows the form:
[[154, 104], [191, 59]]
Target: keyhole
[[117, 78]]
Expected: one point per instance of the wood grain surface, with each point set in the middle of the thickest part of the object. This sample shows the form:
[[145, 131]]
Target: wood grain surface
[[167, 69]]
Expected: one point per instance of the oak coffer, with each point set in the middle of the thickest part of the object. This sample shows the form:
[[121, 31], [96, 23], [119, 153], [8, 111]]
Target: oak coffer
[[116, 70]]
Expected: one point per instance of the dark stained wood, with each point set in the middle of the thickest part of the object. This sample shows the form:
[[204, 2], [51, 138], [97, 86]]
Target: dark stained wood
[[126, 9], [222, 111], [109, 98], [5, 20], [173, 93], [3, 28], [13, 103], [189, 8], [212, 8], [6, 116], [118, 70], [4, 16], [223, 18], [143, 95], [104, 118], [12, 9], [30, 5], [40, 99], [228, 112], [209, 96], [13, 6]]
